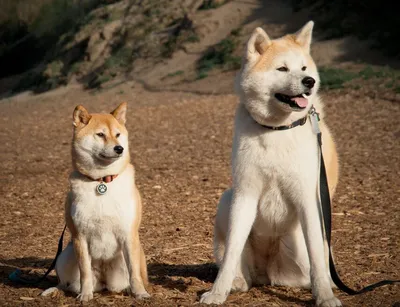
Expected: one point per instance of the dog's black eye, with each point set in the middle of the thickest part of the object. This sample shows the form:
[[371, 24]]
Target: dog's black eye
[[100, 134], [303, 68], [117, 135], [283, 68]]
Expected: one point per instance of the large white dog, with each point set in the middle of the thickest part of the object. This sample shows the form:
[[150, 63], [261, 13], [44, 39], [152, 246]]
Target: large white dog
[[268, 228]]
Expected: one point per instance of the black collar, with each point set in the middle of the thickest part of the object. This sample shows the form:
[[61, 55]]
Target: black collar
[[299, 122]]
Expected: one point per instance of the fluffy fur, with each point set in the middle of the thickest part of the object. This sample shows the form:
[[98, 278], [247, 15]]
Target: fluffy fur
[[268, 228], [105, 250]]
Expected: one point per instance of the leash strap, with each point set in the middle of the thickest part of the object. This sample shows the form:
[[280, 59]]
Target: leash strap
[[16, 275], [327, 216]]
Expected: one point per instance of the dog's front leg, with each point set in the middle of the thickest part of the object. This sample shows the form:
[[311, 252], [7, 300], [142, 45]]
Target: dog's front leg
[[320, 281], [85, 268], [132, 253], [242, 216]]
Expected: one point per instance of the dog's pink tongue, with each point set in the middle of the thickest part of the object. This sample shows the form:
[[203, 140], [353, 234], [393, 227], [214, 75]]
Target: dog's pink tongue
[[300, 101]]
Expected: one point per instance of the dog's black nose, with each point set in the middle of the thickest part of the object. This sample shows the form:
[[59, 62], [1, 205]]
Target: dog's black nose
[[308, 82], [118, 149]]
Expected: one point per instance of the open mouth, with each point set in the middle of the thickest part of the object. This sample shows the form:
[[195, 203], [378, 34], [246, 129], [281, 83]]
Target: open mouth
[[298, 102]]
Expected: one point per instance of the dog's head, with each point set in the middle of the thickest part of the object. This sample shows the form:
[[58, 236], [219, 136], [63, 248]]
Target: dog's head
[[278, 78], [100, 143]]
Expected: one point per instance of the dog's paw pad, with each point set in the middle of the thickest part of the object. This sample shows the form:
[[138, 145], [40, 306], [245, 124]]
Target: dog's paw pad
[[331, 302], [212, 298]]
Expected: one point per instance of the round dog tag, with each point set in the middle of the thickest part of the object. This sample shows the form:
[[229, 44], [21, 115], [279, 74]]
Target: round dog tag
[[101, 188]]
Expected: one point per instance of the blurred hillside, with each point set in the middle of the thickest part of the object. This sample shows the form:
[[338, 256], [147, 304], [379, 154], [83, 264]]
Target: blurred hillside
[[173, 44], [371, 20]]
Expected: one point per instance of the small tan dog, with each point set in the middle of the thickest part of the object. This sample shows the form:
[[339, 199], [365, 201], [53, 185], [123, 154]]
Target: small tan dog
[[103, 211]]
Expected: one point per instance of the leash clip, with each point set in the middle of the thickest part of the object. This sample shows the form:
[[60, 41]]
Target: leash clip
[[314, 118]]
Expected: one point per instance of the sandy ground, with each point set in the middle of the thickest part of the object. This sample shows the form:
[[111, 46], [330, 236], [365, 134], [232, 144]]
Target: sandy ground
[[181, 144]]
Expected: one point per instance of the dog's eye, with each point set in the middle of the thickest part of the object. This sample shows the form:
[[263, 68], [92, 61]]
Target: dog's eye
[[100, 134], [283, 68], [117, 135], [303, 68]]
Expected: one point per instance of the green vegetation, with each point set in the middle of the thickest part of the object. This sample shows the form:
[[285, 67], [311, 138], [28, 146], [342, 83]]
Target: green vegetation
[[176, 73], [385, 72], [39, 28], [119, 58], [333, 78], [183, 32], [219, 56]]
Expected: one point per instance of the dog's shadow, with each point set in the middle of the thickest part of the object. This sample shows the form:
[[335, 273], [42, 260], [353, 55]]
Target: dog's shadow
[[166, 275], [169, 275], [32, 268]]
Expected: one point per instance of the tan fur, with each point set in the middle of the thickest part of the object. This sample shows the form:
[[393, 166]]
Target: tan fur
[[278, 47], [331, 158], [105, 123], [105, 244]]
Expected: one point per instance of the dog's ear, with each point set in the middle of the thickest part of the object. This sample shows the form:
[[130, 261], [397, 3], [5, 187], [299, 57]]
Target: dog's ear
[[120, 113], [257, 44], [304, 35], [81, 116]]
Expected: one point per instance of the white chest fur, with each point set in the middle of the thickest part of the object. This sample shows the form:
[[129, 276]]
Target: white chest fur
[[104, 220], [278, 167]]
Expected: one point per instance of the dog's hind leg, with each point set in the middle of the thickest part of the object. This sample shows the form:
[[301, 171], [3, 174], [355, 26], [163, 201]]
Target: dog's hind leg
[[68, 273], [242, 281], [116, 274], [291, 265]]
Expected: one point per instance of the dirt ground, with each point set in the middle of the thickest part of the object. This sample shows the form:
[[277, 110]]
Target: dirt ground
[[181, 144]]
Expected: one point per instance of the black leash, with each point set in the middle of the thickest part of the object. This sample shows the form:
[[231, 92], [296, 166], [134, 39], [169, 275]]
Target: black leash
[[326, 204], [327, 216], [16, 275]]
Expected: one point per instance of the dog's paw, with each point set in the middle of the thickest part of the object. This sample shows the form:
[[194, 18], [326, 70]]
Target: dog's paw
[[330, 302], [85, 296], [212, 298], [142, 295], [137, 293]]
